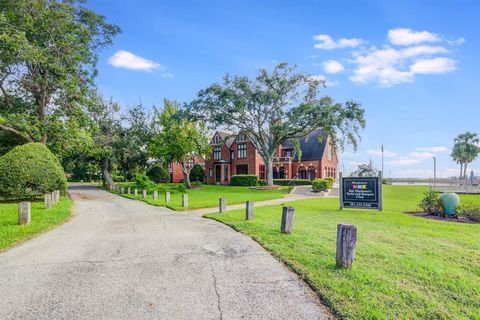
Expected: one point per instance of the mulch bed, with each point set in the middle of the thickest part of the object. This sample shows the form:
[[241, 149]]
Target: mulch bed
[[459, 219]]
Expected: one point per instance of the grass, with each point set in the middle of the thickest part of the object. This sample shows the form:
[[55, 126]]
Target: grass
[[42, 220], [405, 267], [206, 196]]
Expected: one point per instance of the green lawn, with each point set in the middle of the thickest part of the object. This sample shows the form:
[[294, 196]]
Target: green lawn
[[206, 196], [41, 220], [405, 267]]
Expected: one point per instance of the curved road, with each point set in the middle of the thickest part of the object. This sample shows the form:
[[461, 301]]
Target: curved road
[[123, 259]]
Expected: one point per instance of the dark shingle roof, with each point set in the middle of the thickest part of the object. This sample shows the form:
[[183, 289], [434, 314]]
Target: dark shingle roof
[[311, 148]]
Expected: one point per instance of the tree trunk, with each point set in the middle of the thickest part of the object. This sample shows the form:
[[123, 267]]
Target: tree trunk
[[107, 178], [186, 175], [461, 170], [465, 170], [269, 171]]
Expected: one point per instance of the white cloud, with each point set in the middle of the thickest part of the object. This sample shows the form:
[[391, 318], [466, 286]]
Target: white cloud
[[326, 42], [391, 66], [433, 149], [405, 36], [128, 60], [404, 162], [321, 77], [378, 152], [435, 65], [333, 66], [421, 155]]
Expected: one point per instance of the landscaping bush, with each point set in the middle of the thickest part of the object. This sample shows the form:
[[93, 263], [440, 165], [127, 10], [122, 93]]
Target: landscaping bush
[[321, 185], [159, 174], [470, 211], [197, 173], [330, 181], [181, 188], [431, 203], [288, 182], [143, 182], [245, 180], [29, 171]]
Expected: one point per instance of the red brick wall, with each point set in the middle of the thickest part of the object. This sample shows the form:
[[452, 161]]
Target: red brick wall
[[251, 160], [329, 164]]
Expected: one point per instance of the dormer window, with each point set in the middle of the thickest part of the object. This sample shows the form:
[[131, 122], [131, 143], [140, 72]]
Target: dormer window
[[287, 153], [242, 137], [217, 139]]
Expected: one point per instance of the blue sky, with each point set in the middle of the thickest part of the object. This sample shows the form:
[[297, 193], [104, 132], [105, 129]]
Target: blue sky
[[412, 64]]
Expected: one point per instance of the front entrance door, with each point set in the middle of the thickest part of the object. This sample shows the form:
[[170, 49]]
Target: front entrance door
[[218, 173]]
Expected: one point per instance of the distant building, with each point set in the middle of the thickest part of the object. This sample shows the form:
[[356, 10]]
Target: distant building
[[234, 154]]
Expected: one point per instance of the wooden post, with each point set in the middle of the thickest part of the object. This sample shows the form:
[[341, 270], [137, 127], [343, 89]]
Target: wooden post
[[155, 194], [47, 201], [129, 190], [346, 242], [135, 192], [24, 212], [167, 196], [144, 194], [287, 219], [122, 190], [184, 200], [249, 210], [222, 205], [340, 185]]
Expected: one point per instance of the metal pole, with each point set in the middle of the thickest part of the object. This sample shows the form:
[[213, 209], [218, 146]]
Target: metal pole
[[434, 173], [340, 184]]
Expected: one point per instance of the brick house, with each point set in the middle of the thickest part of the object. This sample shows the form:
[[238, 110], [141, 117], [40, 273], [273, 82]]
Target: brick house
[[235, 154], [175, 170]]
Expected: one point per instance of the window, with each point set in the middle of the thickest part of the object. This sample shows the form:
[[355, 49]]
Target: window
[[261, 169], [311, 173], [217, 153], [282, 173], [210, 173], [232, 155], [287, 153], [242, 151], [275, 173], [241, 137], [225, 173], [242, 169], [217, 139], [302, 173]]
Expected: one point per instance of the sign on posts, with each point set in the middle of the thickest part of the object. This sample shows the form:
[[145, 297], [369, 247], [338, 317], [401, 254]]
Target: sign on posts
[[361, 192]]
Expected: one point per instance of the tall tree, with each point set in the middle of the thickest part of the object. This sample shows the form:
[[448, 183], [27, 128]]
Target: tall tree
[[178, 139], [466, 149], [278, 106], [48, 63]]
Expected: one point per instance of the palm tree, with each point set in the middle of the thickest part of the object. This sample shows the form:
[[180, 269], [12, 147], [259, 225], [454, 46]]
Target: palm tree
[[466, 149]]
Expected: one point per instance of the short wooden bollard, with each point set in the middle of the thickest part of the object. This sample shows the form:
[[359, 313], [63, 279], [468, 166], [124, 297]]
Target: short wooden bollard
[[155, 194], [144, 194], [24, 212], [184, 200], [249, 210], [346, 242], [222, 205], [57, 196], [122, 190], [129, 190], [287, 219], [135, 192], [167, 196], [47, 201]]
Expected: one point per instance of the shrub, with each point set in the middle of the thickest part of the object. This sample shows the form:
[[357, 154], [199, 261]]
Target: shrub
[[143, 182], [197, 173], [431, 203], [246, 180], [330, 181], [288, 182], [320, 184], [29, 171], [181, 188], [159, 174], [470, 211]]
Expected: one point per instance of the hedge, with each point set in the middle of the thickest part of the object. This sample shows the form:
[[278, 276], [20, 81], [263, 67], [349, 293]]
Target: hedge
[[288, 182], [159, 174], [246, 180], [30, 171], [197, 173]]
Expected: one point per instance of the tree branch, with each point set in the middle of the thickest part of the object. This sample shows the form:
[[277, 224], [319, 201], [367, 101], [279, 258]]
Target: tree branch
[[19, 133]]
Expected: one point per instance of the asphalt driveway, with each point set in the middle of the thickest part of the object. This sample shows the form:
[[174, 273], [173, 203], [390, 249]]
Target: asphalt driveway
[[124, 259]]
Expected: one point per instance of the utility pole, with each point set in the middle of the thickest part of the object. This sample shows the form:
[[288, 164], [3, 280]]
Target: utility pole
[[434, 172]]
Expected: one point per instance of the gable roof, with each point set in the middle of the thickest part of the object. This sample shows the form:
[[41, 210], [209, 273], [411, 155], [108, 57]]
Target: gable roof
[[311, 148]]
